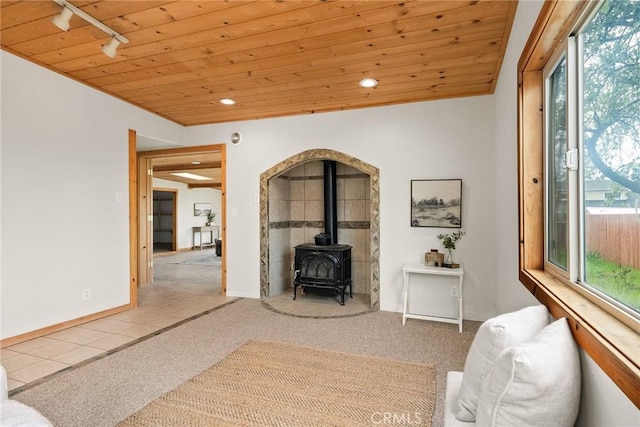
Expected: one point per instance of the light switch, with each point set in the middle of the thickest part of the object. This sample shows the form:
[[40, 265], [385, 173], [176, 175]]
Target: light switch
[[118, 197], [234, 212]]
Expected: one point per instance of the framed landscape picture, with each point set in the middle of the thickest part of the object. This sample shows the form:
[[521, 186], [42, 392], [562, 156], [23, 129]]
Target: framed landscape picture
[[201, 209], [436, 203]]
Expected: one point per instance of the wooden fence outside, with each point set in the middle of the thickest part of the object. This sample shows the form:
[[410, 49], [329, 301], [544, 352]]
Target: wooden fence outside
[[615, 237]]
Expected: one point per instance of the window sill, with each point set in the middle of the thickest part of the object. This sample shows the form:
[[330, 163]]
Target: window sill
[[609, 342]]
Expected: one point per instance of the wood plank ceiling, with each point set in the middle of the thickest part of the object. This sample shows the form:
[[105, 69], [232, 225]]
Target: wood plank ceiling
[[274, 58]]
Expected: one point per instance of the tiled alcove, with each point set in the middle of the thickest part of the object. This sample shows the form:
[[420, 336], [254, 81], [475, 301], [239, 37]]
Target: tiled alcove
[[291, 212]]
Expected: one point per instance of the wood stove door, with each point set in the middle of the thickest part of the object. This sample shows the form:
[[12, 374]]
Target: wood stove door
[[319, 268]]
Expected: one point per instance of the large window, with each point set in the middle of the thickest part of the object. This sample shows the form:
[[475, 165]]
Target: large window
[[610, 47], [579, 176], [592, 123]]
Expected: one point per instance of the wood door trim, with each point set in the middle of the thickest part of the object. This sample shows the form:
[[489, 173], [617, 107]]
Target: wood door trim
[[133, 220], [143, 264], [142, 210]]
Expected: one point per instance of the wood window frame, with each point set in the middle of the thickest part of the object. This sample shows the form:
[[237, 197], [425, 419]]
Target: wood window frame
[[611, 341]]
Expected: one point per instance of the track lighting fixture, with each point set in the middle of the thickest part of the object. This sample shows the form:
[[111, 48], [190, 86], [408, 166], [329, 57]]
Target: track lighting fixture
[[62, 21], [110, 49]]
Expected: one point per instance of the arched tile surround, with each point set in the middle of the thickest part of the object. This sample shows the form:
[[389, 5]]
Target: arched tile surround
[[299, 159]]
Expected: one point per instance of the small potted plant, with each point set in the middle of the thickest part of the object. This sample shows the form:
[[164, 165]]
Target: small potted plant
[[211, 216], [449, 242]]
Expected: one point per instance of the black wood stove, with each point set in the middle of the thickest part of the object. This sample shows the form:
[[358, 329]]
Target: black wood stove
[[326, 267]]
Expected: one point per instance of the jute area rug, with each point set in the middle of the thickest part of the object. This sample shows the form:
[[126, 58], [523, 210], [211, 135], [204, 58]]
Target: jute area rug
[[267, 383]]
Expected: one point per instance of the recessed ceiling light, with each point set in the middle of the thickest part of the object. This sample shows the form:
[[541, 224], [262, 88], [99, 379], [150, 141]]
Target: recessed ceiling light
[[227, 101], [195, 162], [368, 82], [191, 176]]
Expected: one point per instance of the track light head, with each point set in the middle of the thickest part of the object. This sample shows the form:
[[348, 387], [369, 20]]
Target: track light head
[[61, 20], [68, 10], [111, 48]]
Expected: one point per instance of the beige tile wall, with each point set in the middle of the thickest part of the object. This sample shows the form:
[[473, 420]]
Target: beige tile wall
[[297, 197], [279, 238]]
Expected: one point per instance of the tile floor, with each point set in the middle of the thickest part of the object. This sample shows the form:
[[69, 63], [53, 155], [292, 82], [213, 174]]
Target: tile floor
[[180, 291], [159, 305]]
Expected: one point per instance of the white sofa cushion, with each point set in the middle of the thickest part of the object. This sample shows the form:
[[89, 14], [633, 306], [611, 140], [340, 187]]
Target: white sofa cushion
[[534, 384], [4, 387], [454, 381], [14, 413], [493, 336]]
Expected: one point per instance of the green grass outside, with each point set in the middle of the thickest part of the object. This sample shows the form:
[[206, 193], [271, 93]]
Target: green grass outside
[[619, 282]]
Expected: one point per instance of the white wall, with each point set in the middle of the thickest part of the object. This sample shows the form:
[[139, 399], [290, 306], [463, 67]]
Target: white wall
[[64, 160], [428, 140], [510, 294], [186, 198], [602, 403]]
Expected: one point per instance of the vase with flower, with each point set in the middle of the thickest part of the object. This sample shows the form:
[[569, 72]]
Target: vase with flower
[[449, 241]]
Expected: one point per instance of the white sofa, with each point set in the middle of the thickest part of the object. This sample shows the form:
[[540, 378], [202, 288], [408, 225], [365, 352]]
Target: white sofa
[[14, 413], [454, 382], [521, 369]]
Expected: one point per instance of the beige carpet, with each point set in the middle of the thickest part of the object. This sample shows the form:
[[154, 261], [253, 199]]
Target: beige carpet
[[266, 383], [108, 390]]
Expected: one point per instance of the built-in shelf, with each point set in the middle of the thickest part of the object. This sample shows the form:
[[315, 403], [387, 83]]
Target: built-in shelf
[[163, 217]]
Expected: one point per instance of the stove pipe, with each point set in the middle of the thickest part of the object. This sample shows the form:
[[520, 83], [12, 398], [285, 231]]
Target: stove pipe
[[330, 201]]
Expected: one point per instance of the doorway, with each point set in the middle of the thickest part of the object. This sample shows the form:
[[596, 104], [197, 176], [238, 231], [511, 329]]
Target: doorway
[[142, 167], [164, 220]]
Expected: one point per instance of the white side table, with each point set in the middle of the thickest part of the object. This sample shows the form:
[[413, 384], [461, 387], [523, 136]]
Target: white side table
[[420, 268], [206, 229]]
